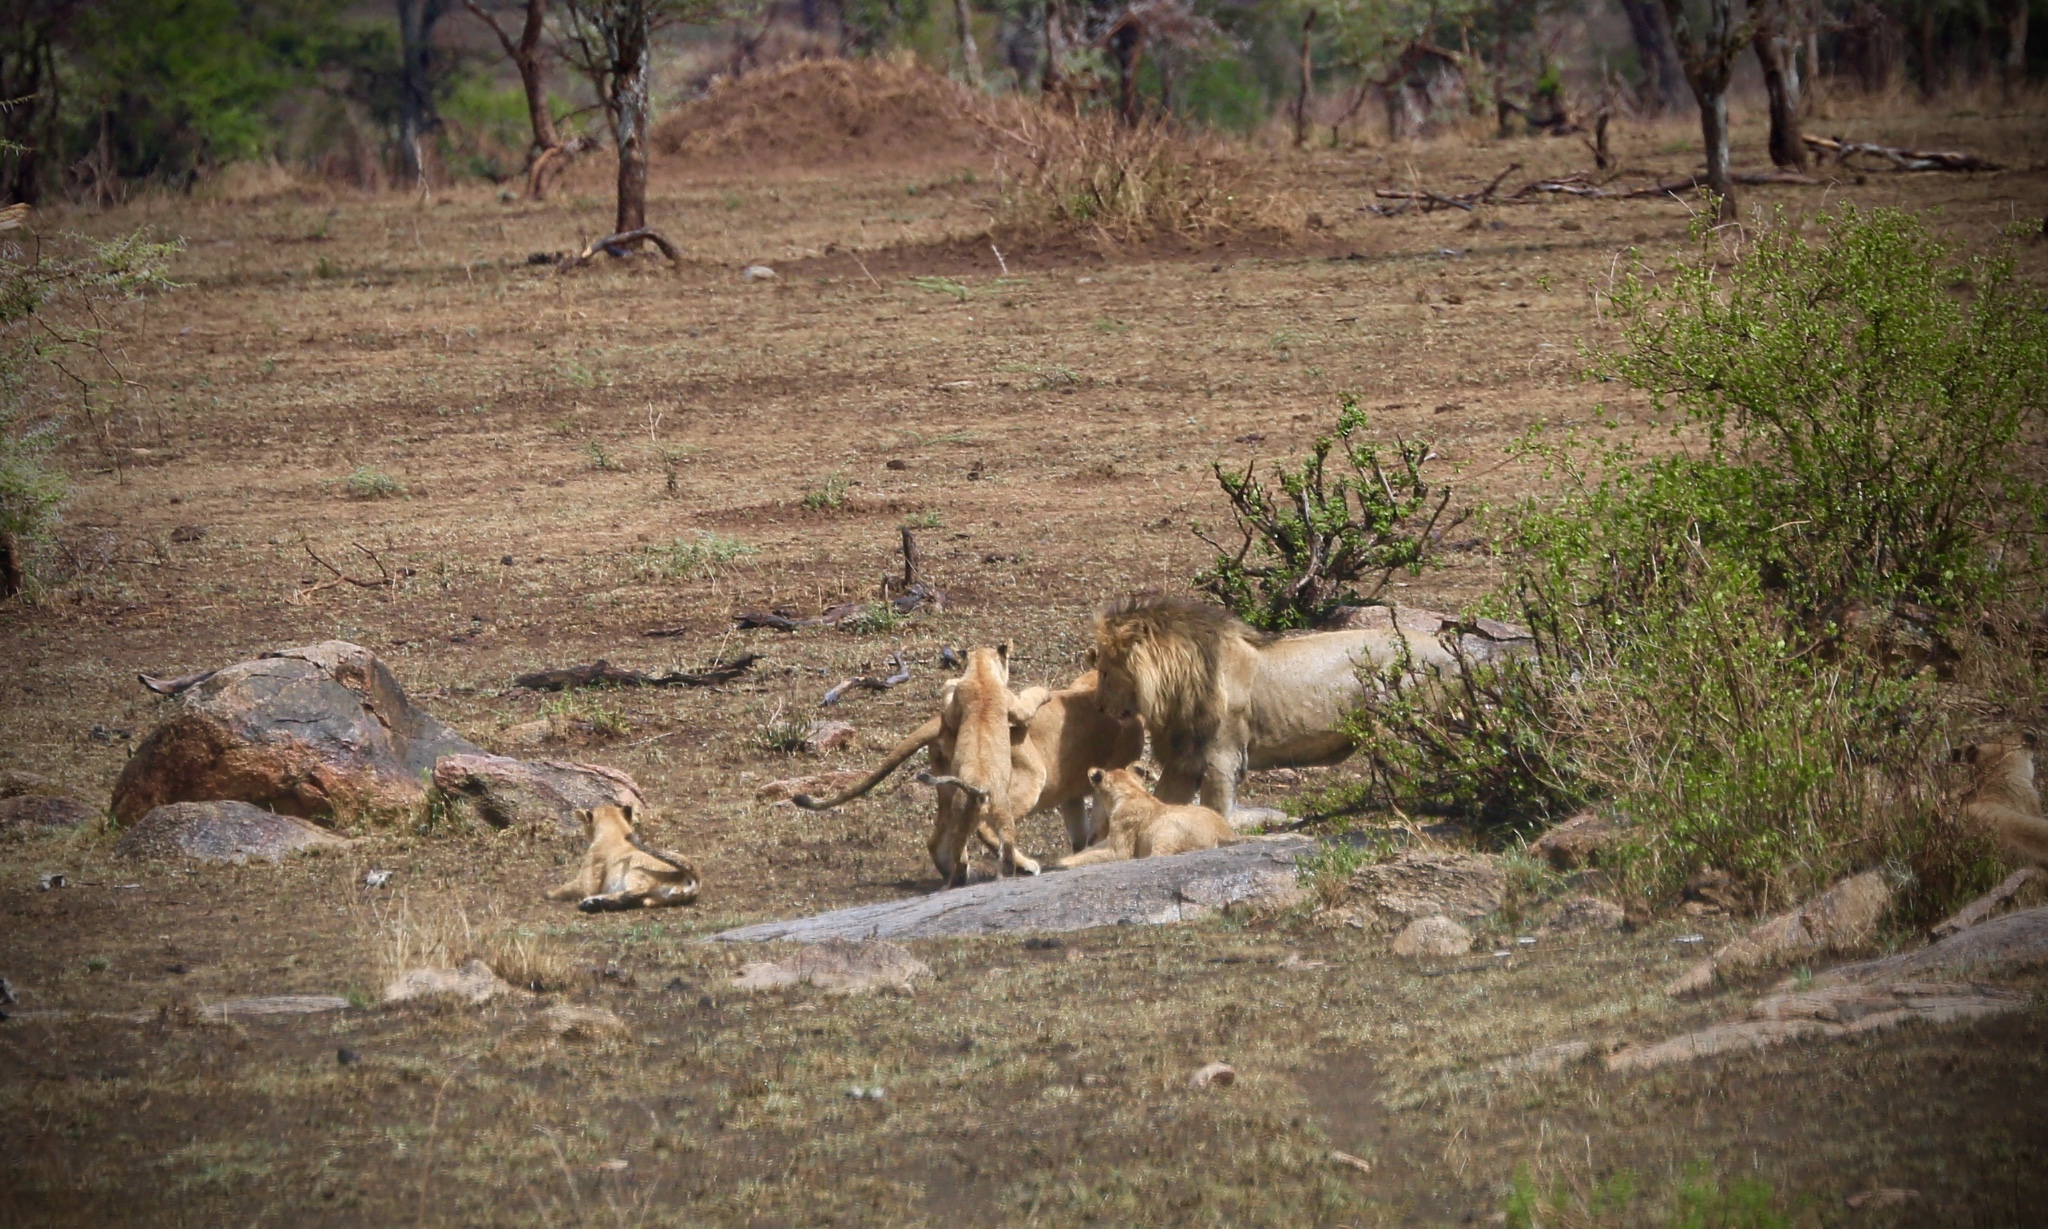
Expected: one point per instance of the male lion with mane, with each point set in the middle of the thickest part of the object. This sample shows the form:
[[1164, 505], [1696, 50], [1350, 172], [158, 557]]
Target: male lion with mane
[[1220, 698]]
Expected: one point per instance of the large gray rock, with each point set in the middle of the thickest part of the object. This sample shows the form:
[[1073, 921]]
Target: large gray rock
[[505, 793], [221, 832], [1838, 920], [323, 732], [2011, 944], [44, 812], [1258, 873]]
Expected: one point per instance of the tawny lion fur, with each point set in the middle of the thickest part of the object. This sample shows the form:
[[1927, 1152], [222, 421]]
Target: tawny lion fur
[[621, 872], [1141, 826], [2003, 799], [1219, 698], [1066, 735]]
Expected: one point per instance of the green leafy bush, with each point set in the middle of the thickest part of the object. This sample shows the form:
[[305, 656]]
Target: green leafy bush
[[1306, 549], [1855, 437]]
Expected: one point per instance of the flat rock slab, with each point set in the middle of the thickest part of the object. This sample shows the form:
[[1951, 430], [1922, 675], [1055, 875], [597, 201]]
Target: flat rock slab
[[1148, 891], [506, 793], [221, 832], [28, 812], [839, 966], [2010, 944]]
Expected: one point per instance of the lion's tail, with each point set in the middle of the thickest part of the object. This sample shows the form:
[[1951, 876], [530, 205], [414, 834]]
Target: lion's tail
[[917, 741]]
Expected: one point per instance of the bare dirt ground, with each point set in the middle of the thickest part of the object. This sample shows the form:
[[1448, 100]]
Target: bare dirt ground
[[1049, 430]]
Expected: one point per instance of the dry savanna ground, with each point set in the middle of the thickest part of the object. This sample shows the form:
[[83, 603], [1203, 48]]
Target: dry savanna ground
[[538, 451]]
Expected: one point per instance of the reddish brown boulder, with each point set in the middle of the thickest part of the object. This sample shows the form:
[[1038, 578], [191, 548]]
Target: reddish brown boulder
[[323, 732], [503, 792]]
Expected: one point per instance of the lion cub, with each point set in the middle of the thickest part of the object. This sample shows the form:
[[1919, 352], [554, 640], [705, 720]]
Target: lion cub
[[620, 872], [2002, 796], [1141, 826]]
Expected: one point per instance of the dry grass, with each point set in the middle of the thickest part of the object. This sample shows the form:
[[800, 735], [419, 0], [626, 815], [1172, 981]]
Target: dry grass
[[1091, 175]]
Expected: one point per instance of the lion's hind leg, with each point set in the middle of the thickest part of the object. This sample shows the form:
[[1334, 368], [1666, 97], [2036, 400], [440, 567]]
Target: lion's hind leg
[[610, 902]]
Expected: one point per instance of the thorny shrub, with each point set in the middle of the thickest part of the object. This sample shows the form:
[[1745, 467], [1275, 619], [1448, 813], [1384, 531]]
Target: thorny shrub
[[1309, 547], [1857, 436]]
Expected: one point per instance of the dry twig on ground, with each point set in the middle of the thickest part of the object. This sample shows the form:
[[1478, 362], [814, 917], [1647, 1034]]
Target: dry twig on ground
[[870, 682], [1901, 159], [600, 673]]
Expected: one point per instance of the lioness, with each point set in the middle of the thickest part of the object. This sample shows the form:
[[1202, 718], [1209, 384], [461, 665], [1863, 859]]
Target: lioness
[[1141, 826], [620, 872], [1067, 734], [1219, 698], [2002, 796]]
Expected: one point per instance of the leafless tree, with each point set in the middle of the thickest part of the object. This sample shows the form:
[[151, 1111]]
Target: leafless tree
[[528, 56], [1708, 39]]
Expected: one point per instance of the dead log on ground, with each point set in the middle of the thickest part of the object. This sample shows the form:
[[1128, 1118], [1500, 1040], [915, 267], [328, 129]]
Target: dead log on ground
[[603, 673], [870, 682], [622, 243], [178, 685], [308, 588], [1901, 159], [1576, 184]]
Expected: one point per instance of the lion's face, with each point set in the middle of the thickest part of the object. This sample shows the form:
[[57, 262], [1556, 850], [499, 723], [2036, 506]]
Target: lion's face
[[1116, 690]]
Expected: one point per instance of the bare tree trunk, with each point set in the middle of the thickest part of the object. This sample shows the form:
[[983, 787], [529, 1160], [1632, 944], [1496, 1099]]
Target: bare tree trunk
[[970, 55], [1662, 77], [1773, 50], [525, 54], [1502, 9], [1127, 47], [630, 35], [13, 578], [416, 20], [1055, 45], [1308, 74], [2015, 73], [1929, 50], [1709, 59]]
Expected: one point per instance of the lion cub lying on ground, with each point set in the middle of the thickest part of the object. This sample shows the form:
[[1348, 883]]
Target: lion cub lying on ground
[[2002, 797], [620, 872], [1141, 826]]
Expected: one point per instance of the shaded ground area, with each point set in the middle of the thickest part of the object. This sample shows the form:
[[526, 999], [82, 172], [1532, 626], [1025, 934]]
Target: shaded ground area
[[551, 449]]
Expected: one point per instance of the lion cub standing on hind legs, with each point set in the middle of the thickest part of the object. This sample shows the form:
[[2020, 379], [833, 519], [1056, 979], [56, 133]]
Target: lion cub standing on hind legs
[[621, 872], [1141, 826]]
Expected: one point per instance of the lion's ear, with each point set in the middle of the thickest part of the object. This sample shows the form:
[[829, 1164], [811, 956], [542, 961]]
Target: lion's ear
[[1095, 776], [2030, 741], [1088, 658], [1003, 651], [631, 817], [584, 817]]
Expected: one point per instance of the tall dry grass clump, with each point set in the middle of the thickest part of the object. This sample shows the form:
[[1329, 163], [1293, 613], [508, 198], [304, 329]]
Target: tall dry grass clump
[[443, 935], [1089, 174]]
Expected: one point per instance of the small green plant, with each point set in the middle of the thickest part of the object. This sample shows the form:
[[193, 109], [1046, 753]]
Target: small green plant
[[325, 268], [930, 518], [601, 457], [1306, 549], [875, 619], [585, 712], [780, 734], [943, 285], [367, 482], [584, 377], [828, 496], [96, 964], [695, 557], [1326, 870]]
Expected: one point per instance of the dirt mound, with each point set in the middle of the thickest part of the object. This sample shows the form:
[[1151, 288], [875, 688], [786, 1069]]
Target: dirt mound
[[821, 112]]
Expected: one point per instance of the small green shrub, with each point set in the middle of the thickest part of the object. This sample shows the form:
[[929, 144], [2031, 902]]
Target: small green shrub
[[930, 518], [601, 458], [781, 735], [876, 619], [366, 482], [701, 556], [1307, 549], [573, 708], [827, 496]]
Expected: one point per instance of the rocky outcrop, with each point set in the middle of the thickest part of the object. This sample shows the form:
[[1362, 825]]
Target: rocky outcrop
[[322, 732], [1583, 840], [1426, 883], [502, 792], [1256, 873], [1840, 919], [233, 832], [473, 984]]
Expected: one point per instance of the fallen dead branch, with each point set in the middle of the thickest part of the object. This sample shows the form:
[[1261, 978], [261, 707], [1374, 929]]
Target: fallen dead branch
[[308, 588], [1576, 184], [783, 619], [623, 243], [603, 673], [1901, 159], [1986, 905], [178, 685], [869, 682]]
